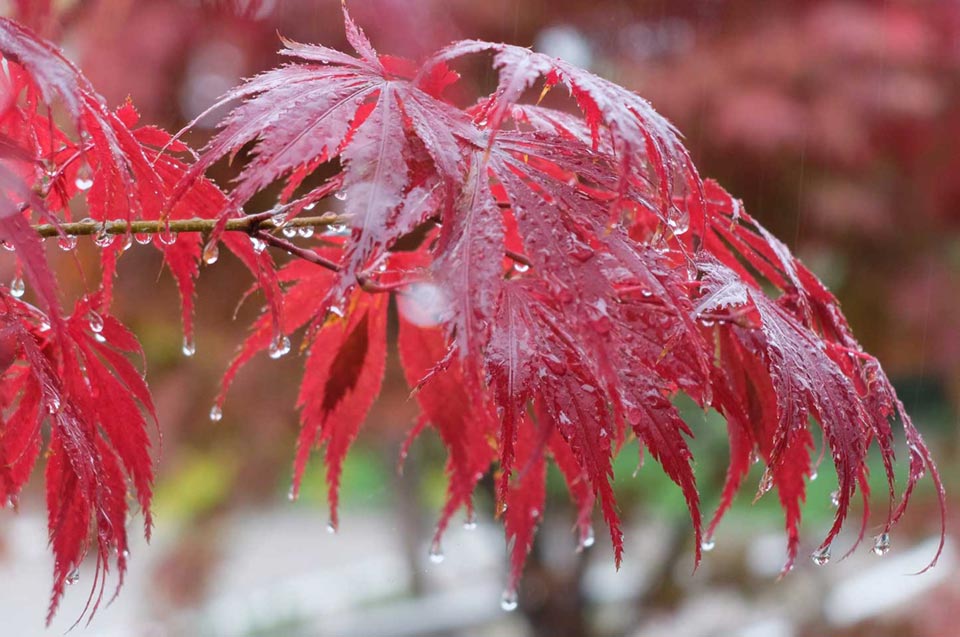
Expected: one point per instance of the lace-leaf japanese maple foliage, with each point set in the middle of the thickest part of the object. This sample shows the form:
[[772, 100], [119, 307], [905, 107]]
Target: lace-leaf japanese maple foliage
[[560, 277]]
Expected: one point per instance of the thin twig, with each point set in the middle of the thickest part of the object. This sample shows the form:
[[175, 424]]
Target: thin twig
[[304, 253], [249, 224]]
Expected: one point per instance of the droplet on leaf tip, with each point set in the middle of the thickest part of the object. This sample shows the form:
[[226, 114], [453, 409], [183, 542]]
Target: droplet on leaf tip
[[292, 494], [331, 528], [216, 413], [708, 544], [588, 538], [73, 577], [17, 287], [508, 601], [189, 348], [521, 267], [340, 195], [258, 245], [95, 321], [67, 243], [83, 183], [310, 206], [821, 556], [835, 499], [470, 523], [279, 347], [436, 553], [882, 544], [813, 475]]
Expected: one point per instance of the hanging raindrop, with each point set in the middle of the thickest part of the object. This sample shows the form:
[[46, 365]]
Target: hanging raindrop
[[189, 347], [436, 553], [67, 243], [508, 601], [83, 184], [95, 321], [835, 499], [17, 287], [211, 253], [103, 239], [216, 413], [821, 556], [73, 577], [279, 347], [289, 231], [305, 232], [340, 195], [142, 238], [589, 538], [708, 544], [167, 236], [470, 523], [882, 544], [258, 245]]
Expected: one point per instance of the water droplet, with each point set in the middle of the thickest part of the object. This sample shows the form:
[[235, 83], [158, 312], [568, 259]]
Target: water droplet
[[73, 577], [67, 243], [167, 237], [340, 195], [813, 475], [310, 206], [521, 267], [708, 544], [9, 247], [100, 338], [95, 321], [279, 347], [589, 538], [706, 322], [766, 482], [305, 231], [337, 230], [103, 239], [17, 287], [126, 554], [53, 405], [216, 413], [882, 544], [821, 556], [83, 184], [142, 238], [189, 348], [292, 494], [754, 457], [508, 601], [436, 553], [470, 523], [336, 310], [331, 528], [211, 253], [258, 245], [835, 498], [127, 242], [289, 232]]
